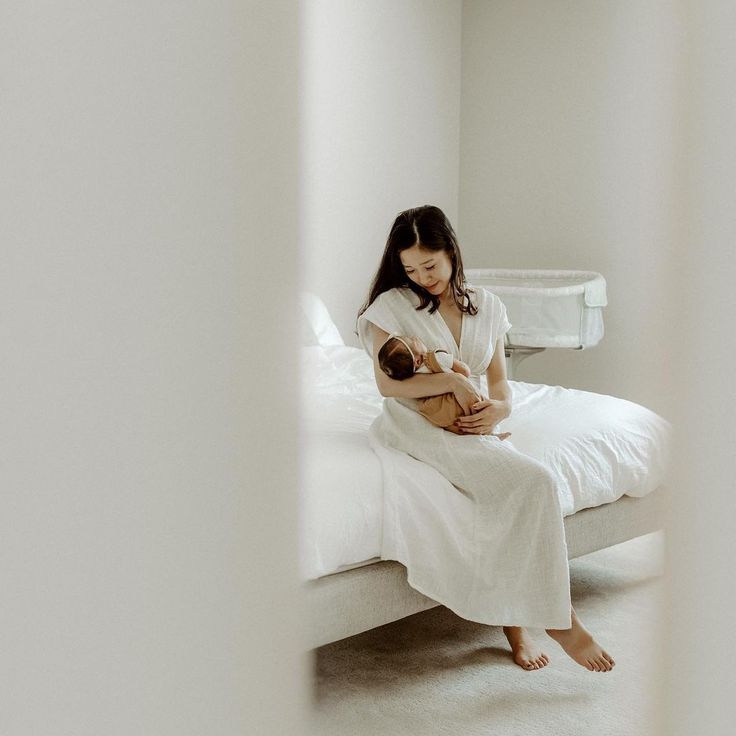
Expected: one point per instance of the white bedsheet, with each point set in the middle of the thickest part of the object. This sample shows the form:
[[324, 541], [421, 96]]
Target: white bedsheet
[[599, 448], [342, 485]]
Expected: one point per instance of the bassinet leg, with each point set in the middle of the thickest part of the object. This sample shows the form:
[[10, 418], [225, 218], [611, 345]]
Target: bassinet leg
[[515, 356]]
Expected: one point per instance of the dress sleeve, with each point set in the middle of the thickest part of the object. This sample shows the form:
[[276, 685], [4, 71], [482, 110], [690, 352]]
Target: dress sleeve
[[381, 314], [497, 321]]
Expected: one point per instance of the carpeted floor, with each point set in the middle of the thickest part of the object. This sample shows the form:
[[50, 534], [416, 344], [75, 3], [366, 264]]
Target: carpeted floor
[[435, 673]]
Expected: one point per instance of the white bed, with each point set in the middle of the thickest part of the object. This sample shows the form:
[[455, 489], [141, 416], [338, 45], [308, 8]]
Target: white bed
[[609, 455]]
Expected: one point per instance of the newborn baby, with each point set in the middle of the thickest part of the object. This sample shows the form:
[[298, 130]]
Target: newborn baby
[[400, 357]]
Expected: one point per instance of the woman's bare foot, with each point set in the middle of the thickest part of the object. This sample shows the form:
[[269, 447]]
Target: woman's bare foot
[[526, 653], [582, 647]]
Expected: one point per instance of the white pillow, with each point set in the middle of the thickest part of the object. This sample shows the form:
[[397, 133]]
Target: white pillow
[[317, 325]]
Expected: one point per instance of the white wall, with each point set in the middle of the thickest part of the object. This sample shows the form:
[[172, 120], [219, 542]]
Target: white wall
[[566, 162], [148, 556], [381, 106]]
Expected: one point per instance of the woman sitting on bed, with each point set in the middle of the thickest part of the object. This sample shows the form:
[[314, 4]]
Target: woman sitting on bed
[[508, 564]]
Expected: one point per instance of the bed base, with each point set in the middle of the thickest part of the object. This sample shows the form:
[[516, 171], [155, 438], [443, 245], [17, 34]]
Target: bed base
[[347, 603]]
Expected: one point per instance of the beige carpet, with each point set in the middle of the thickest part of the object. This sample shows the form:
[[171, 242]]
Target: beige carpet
[[436, 673]]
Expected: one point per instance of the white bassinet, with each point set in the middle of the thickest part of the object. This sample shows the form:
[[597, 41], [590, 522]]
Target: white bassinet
[[547, 309]]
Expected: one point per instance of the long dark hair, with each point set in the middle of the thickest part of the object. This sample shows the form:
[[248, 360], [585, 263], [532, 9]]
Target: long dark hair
[[428, 227]]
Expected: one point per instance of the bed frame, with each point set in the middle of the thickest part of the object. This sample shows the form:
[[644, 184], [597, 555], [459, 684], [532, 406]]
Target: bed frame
[[346, 603]]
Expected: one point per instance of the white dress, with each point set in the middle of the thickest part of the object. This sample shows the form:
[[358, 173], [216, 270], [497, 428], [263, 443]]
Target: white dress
[[490, 546]]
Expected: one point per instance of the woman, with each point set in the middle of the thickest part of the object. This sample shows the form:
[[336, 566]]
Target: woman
[[493, 548]]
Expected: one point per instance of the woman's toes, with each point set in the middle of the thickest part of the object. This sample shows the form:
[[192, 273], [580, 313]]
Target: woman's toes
[[528, 662]]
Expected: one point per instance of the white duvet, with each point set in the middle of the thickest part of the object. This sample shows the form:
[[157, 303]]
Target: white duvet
[[598, 447]]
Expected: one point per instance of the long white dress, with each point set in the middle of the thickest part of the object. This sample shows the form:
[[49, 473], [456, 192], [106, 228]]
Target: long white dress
[[491, 546]]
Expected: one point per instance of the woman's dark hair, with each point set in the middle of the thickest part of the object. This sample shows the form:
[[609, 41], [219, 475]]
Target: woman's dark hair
[[395, 360], [426, 226]]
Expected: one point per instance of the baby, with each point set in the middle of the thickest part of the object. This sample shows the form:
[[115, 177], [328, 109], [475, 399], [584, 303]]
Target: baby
[[400, 357]]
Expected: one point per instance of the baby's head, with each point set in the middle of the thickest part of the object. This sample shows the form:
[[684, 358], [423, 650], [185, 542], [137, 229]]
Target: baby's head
[[400, 356]]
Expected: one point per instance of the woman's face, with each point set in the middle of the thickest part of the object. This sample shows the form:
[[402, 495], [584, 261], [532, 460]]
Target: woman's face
[[430, 269]]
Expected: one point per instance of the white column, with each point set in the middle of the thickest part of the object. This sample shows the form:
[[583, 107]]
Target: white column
[[698, 672], [148, 452]]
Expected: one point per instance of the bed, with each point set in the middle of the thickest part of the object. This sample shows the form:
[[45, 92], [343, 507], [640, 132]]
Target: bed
[[610, 457]]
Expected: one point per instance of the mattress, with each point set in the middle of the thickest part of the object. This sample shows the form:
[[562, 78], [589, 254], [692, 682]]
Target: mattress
[[599, 447]]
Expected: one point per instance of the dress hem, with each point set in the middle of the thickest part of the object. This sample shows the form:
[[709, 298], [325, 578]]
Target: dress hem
[[489, 619]]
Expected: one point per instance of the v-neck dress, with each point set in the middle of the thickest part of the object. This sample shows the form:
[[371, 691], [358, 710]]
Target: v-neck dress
[[490, 544], [395, 311], [459, 341]]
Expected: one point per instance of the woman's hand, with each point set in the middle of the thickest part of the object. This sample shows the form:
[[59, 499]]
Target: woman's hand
[[487, 414], [464, 391]]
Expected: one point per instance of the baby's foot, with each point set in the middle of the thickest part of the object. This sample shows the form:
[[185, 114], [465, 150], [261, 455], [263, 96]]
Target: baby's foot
[[582, 647], [525, 652]]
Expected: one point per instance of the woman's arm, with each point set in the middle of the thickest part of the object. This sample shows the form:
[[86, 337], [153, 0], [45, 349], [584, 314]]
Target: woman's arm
[[488, 413], [420, 385], [498, 385]]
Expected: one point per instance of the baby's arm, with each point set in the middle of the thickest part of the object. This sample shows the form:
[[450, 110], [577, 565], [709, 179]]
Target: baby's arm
[[459, 367]]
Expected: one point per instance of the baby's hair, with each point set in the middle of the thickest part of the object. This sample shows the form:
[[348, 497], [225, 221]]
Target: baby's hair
[[396, 359]]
